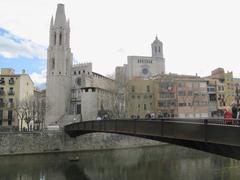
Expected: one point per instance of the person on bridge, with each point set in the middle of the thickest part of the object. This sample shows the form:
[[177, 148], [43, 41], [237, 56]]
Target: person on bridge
[[234, 111], [228, 115], [148, 115]]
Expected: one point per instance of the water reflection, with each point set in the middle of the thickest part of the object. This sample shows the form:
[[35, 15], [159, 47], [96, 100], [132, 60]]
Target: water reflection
[[164, 162]]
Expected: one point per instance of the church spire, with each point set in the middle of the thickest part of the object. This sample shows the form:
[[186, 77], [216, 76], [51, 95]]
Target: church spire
[[157, 49], [60, 18], [51, 24]]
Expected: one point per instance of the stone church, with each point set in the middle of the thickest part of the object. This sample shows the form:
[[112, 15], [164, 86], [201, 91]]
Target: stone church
[[142, 67], [74, 92]]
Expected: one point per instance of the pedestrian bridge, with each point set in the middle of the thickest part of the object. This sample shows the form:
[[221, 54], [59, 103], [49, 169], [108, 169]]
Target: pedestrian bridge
[[210, 135]]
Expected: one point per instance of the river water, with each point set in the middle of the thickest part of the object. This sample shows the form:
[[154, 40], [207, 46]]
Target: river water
[[166, 162]]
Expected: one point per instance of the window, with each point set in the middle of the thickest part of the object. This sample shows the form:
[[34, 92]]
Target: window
[[145, 71], [10, 117], [190, 93], [11, 92], [1, 102], [138, 105], [155, 49], [2, 81], [1, 91], [74, 72], [181, 93], [133, 88], [148, 88], [10, 102], [53, 63], [1, 117], [55, 38], [145, 107], [78, 109], [66, 66], [60, 39], [138, 97], [11, 81], [182, 104]]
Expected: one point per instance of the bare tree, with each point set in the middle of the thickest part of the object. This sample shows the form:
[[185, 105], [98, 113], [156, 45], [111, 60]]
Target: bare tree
[[29, 110], [25, 111]]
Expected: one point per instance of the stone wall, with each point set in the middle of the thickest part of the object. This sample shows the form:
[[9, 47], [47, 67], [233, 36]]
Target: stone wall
[[46, 142]]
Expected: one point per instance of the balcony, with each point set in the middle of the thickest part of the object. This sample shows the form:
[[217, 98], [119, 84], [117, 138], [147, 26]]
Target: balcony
[[2, 93], [10, 105], [11, 81], [2, 81], [11, 93], [1, 104]]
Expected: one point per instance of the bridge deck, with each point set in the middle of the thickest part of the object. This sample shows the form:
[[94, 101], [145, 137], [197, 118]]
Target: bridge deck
[[208, 135]]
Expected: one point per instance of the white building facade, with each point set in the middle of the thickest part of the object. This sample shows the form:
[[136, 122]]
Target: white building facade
[[73, 92], [143, 66]]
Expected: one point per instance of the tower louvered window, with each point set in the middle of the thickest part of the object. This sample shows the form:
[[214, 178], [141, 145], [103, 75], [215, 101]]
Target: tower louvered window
[[60, 39], [55, 38], [53, 63]]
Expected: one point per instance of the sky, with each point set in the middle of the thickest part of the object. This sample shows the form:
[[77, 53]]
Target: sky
[[198, 35]]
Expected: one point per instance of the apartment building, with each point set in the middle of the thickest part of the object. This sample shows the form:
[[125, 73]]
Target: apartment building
[[181, 96], [14, 88], [140, 97]]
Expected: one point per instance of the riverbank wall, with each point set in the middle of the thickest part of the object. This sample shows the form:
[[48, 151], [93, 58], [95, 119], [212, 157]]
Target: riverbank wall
[[13, 143]]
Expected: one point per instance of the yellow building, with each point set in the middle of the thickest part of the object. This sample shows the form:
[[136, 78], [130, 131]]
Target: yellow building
[[14, 88], [229, 89], [168, 95], [140, 97], [236, 82]]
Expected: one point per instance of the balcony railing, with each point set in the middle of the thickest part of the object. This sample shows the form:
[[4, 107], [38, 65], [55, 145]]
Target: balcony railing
[[11, 82], [10, 105], [2, 93], [1, 104], [11, 93]]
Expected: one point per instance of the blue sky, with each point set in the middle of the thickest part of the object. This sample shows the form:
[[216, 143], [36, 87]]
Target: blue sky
[[20, 53]]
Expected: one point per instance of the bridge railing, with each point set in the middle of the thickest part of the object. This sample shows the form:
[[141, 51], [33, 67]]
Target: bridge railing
[[113, 122], [219, 121]]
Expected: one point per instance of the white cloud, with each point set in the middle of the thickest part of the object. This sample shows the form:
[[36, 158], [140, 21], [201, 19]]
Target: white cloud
[[194, 42], [39, 78], [12, 46]]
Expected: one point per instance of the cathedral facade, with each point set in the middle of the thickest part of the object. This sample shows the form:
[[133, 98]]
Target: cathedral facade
[[142, 67], [74, 92]]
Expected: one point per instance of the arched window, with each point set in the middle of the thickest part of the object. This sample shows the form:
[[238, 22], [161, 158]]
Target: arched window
[[155, 49], [55, 38], [53, 63], [159, 49], [60, 39], [66, 66]]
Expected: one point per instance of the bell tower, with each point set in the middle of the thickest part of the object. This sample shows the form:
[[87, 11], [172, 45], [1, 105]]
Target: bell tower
[[157, 48], [59, 64]]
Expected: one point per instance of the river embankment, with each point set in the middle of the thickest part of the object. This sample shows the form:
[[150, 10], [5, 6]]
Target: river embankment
[[14, 143]]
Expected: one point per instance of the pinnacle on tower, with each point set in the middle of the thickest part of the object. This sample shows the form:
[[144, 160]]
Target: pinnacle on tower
[[51, 24], [60, 18]]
